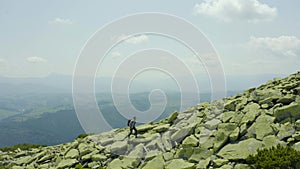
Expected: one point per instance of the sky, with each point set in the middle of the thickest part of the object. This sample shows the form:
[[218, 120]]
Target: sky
[[251, 37]]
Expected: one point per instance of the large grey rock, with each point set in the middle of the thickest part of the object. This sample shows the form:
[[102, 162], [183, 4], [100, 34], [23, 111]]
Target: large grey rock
[[172, 117], [145, 127], [251, 112], [240, 150], [179, 163], [184, 153], [128, 162], [115, 164], [235, 134], [66, 163], [98, 157], [119, 147], [138, 151], [290, 111], [227, 128], [166, 141], [220, 139], [180, 134], [262, 127], [242, 166], [212, 124], [287, 99], [199, 154], [73, 153], [272, 141], [155, 144], [203, 164], [157, 163], [190, 141], [226, 116], [161, 128], [219, 162], [286, 130], [237, 118]]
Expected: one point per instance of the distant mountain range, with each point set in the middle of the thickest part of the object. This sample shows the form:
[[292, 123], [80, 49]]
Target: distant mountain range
[[56, 83]]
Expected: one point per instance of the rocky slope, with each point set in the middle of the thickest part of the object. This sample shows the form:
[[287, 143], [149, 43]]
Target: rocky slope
[[220, 134]]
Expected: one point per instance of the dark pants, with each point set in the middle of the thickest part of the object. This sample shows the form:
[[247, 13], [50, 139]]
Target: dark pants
[[135, 132]]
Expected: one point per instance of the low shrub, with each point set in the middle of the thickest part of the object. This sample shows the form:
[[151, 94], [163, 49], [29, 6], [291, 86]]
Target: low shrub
[[278, 157]]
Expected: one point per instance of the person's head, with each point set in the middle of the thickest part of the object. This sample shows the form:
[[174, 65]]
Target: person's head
[[134, 118]]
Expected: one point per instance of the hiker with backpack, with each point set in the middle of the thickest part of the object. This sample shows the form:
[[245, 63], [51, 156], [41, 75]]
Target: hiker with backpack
[[131, 124]]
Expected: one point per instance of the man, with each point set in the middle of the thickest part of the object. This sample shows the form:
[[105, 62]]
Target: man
[[132, 127]]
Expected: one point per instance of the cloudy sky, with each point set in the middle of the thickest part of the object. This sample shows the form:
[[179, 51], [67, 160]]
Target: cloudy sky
[[252, 37]]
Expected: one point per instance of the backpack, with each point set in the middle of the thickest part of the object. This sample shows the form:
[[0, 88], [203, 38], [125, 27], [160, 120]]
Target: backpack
[[128, 122]]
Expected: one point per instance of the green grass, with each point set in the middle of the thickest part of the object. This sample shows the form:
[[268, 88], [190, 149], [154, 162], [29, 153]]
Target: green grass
[[21, 146], [7, 113]]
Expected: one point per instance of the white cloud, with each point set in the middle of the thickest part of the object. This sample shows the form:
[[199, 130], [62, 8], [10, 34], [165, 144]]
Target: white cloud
[[232, 10], [35, 59], [282, 45], [137, 39], [131, 39], [61, 21]]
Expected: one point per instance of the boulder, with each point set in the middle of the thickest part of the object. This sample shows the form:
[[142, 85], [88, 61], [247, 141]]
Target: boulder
[[287, 99], [235, 134], [157, 163], [98, 157], [242, 166], [251, 112], [203, 164], [24, 160], [272, 141], [151, 154], [155, 145], [226, 116], [219, 162], [161, 128], [261, 128], [212, 124], [172, 117], [286, 130], [261, 94], [115, 164], [190, 141], [180, 134], [184, 153], [73, 153], [166, 141], [119, 147], [237, 118], [145, 127], [240, 150], [199, 154], [66, 163], [220, 139], [296, 136], [179, 163], [168, 156], [128, 162], [138, 151], [227, 127], [290, 111], [296, 146], [230, 105]]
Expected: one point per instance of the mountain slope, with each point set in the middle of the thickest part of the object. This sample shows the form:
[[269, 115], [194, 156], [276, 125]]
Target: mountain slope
[[220, 134]]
